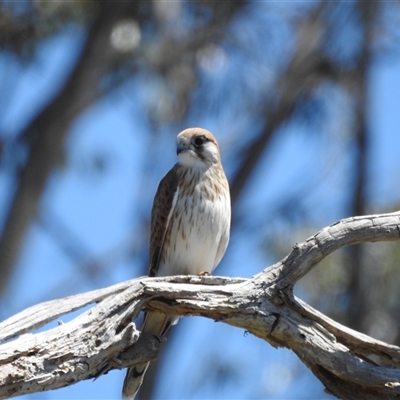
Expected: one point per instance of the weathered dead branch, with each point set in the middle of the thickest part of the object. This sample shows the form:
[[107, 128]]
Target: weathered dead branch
[[348, 363]]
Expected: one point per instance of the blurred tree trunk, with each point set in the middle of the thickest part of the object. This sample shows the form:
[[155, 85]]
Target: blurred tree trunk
[[45, 135], [358, 290]]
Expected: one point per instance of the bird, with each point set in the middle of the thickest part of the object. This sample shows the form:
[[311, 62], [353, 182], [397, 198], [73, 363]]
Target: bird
[[189, 227]]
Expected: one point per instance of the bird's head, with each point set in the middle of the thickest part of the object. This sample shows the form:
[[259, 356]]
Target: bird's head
[[197, 147]]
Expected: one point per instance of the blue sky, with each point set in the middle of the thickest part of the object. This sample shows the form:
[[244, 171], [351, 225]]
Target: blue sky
[[106, 211]]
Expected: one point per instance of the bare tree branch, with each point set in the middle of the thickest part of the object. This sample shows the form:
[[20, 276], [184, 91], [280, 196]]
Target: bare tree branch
[[304, 71], [348, 363]]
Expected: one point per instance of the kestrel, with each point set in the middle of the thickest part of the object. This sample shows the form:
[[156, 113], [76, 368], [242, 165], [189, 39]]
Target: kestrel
[[190, 223]]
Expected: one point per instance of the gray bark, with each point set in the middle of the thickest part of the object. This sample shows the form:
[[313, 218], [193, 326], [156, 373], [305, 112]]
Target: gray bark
[[349, 364]]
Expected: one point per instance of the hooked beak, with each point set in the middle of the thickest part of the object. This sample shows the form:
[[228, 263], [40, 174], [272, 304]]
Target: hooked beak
[[181, 147]]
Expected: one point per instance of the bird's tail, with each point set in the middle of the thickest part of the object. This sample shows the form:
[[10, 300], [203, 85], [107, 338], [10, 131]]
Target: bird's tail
[[154, 324], [133, 380]]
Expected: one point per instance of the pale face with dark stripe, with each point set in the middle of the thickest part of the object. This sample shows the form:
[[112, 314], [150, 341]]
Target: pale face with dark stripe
[[197, 148]]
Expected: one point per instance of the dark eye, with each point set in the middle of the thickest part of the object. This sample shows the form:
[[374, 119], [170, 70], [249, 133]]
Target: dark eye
[[199, 141]]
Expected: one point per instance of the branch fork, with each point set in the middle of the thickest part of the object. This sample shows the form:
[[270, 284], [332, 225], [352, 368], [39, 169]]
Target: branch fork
[[349, 364]]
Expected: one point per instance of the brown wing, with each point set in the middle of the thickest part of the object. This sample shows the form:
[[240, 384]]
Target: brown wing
[[162, 206]]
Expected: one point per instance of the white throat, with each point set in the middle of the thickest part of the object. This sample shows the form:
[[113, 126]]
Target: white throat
[[188, 159]]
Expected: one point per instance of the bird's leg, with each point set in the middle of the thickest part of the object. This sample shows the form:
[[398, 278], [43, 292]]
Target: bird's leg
[[204, 273]]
